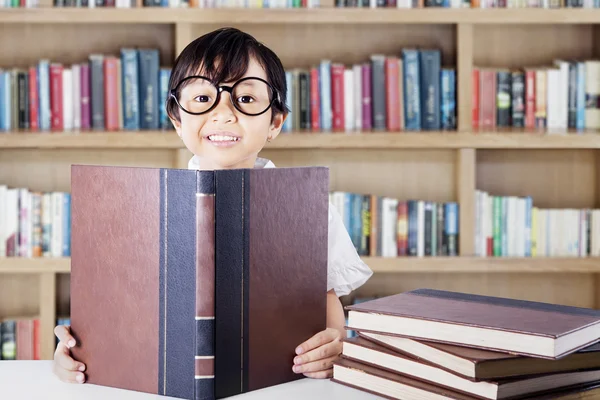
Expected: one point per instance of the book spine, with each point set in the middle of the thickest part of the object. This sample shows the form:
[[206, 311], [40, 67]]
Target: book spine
[[23, 78], [392, 94], [33, 100], [572, 88], [315, 104], [204, 369], [67, 92], [367, 121], [149, 71], [540, 99], [325, 88], [448, 102], [337, 96], [518, 99], [165, 75], [86, 119], [503, 100], [580, 124], [304, 85], [475, 95], [44, 85], [451, 231], [179, 297], [131, 101], [76, 96], [378, 91], [97, 91], [530, 92], [111, 111], [412, 100], [430, 64]]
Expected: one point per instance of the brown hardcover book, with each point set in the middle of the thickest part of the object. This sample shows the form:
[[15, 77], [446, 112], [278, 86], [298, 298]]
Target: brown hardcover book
[[494, 323], [479, 364], [373, 354], [196, 284], [401, 387]]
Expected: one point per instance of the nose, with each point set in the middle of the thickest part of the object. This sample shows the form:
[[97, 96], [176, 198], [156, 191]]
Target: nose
[[224, 112]]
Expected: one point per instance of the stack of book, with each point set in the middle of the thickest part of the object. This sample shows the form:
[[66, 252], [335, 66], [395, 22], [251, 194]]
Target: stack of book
[[433, 344]]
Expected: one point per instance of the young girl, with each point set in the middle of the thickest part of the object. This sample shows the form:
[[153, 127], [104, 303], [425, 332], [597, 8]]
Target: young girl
[[227, 99]]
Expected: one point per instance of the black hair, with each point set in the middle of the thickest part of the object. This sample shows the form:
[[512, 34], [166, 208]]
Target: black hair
[[231, 49]]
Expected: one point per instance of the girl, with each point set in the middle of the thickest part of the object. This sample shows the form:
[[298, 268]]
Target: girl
[[227, 99]]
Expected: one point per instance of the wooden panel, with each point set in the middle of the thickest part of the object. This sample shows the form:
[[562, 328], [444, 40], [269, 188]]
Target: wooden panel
[[568, 289], [23, 45], [183, 36], [465, 179], [464, 39], [302, 46], [426, 175], [53, 169], [326, 14], [517, 46], [554, 178], [47, 314], [19, 295]]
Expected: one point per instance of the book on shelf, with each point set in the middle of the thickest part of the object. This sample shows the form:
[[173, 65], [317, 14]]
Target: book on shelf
[[204, 262], [430, 342], [513, 226], [410, 91], [554, 98], [104, 93], [20, 339], [34, 223], [382, 226]]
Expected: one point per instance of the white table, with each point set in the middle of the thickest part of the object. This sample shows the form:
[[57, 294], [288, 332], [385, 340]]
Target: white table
[[32, 380]]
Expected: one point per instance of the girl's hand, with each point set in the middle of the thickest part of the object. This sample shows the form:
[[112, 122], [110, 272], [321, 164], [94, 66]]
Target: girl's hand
[[65, 367], [316, 355]]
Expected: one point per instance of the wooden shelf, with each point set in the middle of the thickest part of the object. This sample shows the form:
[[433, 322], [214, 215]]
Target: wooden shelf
[[22, 265], [19, 265], [301, 140], [300, 16], [483, 265]]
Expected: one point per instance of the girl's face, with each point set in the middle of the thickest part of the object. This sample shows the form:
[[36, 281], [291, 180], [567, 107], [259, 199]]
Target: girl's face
[[225, 138]]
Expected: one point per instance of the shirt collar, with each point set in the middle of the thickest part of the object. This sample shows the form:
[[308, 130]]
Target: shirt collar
[[259, 163]]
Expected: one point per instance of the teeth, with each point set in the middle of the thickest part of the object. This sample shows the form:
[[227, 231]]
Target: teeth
[[221, 138]]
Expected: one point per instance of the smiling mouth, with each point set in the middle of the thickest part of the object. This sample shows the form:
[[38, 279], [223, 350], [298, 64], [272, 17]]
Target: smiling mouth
[[223, 138]]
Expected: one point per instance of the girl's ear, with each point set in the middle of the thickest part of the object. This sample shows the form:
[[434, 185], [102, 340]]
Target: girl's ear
[[277, 124], [177, 125]]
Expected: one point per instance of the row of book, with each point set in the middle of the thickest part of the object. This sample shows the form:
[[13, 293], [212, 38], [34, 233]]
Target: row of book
[[433, 344], [410, 91], [469, 3], [553, 98], [382, 226], [512, 226], [20, 338], [188, 3], [34, 224], [105, 92]]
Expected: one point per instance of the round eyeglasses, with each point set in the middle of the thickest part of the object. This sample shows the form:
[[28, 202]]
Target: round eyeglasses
[[198, 95]]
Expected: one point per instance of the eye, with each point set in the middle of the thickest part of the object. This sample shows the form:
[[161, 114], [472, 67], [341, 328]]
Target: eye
[[202, 99], [245, 99]]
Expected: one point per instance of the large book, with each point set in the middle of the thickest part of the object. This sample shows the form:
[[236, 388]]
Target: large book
[[370, 353], [196, 284], [392, 385], [522, 327], [479, 364]]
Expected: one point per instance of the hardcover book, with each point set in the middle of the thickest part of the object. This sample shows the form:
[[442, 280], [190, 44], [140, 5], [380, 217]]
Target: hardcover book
[[196, 284], [510, 325]]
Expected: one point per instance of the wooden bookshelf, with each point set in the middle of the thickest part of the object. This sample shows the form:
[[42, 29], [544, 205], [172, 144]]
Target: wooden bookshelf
[[313, 140], [560, 169]]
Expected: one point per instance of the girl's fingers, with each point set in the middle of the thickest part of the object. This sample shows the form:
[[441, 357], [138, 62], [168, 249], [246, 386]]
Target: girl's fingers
[[315, 366], [327, 350], [63, 334], [320, 375], [317, 340], [63, 359]]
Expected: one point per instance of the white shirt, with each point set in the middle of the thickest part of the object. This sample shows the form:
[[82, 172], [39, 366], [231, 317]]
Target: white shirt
[[345, 269]]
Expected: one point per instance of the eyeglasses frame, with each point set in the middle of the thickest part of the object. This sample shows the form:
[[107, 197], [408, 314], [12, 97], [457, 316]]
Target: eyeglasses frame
[[220, 89]]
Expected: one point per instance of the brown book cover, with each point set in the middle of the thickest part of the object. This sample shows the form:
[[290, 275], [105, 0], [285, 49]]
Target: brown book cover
[[518, 326], [400, 387], [375, 355], [196, 284], [479, 364]]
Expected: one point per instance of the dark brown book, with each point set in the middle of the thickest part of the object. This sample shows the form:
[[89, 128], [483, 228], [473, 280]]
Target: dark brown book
[[517, 326], [196, 284], [479, 364], [401, 387], [375, 355]]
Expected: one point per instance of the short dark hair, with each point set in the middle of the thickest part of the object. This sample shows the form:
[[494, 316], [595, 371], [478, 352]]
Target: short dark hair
[[231, 49]]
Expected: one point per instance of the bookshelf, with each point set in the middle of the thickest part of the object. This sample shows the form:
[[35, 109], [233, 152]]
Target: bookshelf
[[559, 169]]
